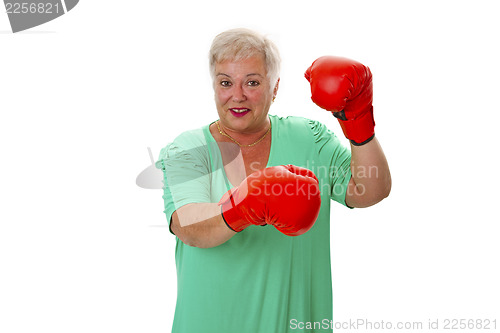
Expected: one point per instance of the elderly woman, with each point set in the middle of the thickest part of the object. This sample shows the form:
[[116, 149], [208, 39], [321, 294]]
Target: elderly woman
[[234, 275]]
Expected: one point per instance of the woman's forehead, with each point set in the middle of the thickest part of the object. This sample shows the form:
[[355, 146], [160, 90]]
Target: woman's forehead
[[254, 65]]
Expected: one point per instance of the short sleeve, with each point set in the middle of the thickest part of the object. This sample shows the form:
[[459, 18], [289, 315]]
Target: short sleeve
[[335, 161], [186, 171]]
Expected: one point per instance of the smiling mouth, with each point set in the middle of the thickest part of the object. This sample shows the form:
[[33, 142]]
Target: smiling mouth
[[239, 110]]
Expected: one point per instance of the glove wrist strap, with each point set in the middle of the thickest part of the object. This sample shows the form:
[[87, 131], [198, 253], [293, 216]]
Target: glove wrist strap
[[230, 215], [360, 130]]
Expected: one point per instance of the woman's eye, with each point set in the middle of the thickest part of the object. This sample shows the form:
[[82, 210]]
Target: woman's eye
[[253, 83], [225, 83]]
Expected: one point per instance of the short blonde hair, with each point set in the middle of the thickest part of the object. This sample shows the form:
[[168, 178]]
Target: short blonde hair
[[239, 44]]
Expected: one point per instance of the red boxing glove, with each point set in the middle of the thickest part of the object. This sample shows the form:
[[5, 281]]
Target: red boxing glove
[[344, 87], [286, 197]]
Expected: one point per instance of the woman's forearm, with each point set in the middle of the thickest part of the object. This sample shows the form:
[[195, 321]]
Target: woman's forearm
[[200, 225], [371, 178]]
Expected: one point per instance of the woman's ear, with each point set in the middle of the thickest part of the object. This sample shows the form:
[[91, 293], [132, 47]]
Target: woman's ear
[[275, 90]]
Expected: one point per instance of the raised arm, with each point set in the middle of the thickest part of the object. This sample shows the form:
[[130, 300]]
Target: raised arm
[[344, 87]]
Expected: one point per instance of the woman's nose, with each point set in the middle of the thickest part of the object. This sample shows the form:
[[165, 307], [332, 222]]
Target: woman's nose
[[239, 94]]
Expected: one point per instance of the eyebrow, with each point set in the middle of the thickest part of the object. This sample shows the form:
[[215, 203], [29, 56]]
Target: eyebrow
[[250, 74]]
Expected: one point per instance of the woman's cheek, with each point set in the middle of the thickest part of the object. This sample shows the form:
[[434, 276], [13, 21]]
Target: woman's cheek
[[222, 96]]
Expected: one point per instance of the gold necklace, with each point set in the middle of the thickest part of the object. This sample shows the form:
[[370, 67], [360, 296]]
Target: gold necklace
[[239, 144]]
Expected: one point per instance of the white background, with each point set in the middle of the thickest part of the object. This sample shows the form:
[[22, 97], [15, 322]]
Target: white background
[[83, 249]]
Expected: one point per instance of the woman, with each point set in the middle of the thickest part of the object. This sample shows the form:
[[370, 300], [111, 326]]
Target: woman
[[236, 277]]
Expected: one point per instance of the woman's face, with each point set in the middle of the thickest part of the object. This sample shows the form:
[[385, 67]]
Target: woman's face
[[242, 94]]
